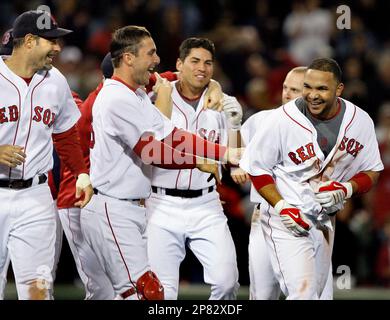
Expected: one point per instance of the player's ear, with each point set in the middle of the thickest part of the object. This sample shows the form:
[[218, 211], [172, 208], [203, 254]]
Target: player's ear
[[128, 58], [179, 64], [29, 40], [339, 89]]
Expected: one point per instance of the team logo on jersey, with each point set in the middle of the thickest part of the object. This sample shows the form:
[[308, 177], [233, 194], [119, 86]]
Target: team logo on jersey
[[302, 154], [211, 135], [9, 114], [44, 115], [352, 146]]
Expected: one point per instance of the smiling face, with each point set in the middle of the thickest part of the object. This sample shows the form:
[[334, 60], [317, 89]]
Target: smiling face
[[43, 51], [144, 62], [320, 91], [196, 70]]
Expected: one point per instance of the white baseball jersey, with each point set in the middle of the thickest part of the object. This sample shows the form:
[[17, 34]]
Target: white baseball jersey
[[208, 124], [120, 117], [248, 131], [286, 147], [29, 114]]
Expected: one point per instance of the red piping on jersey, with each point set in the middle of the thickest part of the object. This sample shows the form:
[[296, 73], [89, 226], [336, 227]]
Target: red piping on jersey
[[185, 117], [117, 244], [273, 241], [295, 120], [353, 117], [31, 112], [123, 82], [20, 112], [188, 99]]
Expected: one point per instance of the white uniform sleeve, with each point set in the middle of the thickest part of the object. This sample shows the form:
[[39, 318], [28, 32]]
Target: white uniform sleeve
[[224, 130], [129, 120], [68, 111], [263, 151], [162, 126], [373, 160]]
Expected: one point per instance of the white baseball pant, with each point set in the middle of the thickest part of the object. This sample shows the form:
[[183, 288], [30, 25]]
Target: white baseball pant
[[96, 283], [28, 234], [114, 229], [263, 283], [301, 264], [200, 224]]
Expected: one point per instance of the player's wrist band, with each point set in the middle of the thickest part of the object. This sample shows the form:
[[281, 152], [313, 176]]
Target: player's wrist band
[[261, 181], [363, 182]]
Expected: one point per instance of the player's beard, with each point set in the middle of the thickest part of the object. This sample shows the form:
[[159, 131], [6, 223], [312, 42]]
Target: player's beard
[[48, 61]]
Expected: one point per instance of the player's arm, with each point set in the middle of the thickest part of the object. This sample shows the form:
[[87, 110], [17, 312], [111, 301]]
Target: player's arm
[[160, 154], [67, 145], [213, 96], [331, 193], [180, 149], [292, 217], [233, 115]]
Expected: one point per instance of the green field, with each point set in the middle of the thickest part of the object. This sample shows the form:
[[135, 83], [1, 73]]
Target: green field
[[201, 292]]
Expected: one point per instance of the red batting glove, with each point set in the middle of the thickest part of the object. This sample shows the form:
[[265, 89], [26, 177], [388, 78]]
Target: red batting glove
[[331, 193], [293, 218]]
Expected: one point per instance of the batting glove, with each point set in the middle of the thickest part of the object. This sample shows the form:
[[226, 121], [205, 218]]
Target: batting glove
[[233, 112], [332, 193], [293, 219]]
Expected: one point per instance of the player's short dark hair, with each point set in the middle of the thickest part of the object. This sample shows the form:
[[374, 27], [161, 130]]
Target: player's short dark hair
[[126, 39], [327, 65], [191, 43]]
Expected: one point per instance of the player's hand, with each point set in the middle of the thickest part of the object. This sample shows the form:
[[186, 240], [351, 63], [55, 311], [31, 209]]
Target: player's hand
[[293, 218], [83, 186], [239, 176], [12, 156], [233, 155], [331, 193], [233, 112], [213, 96], [162, 85], [209, 166]]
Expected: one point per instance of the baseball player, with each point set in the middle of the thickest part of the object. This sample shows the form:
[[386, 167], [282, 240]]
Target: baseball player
[[305, 161], [128, 134], [184, 208], [96, 283], [36, 103], [263, 282], [5, 50]]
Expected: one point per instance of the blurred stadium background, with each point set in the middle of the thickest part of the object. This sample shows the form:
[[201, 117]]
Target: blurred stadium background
[[257, 42]]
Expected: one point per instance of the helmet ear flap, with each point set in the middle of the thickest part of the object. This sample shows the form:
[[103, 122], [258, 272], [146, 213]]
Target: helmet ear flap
[[149, 287]]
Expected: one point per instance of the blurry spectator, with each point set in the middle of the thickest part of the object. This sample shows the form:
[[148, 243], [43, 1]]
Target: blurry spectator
[[383, 261], [69, 61], [380, 84], [356, 89], [379, 197], [308, 28]]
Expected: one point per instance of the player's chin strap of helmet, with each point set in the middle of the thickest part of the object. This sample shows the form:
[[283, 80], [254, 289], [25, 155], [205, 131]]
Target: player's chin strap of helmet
[[148, 287]]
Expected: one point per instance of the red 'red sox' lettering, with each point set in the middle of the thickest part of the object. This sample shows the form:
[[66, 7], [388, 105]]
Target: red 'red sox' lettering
[[9, 114], [44, 115], [352, 146], [212, 135], [302, 154]]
